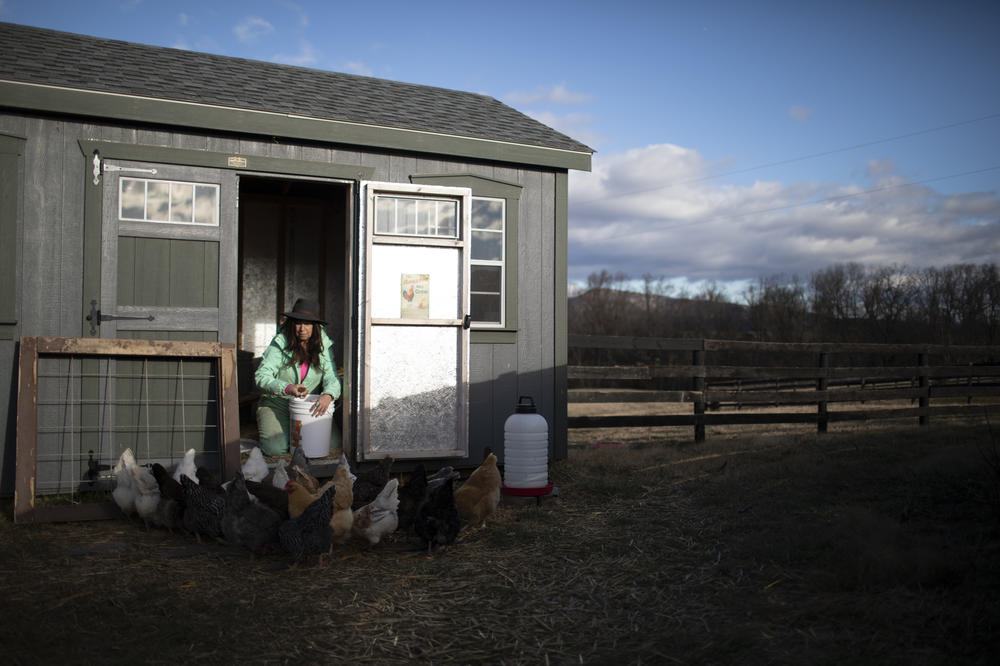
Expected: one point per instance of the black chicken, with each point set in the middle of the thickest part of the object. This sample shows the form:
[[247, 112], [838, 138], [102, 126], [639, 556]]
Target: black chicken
[[309, 533], [247, 522], [209, 480], [370, 483], [411, 496], [275, 498], [437, 522], [169, 487]]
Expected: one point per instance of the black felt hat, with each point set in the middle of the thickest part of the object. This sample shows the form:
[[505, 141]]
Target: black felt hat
[[305, 310]]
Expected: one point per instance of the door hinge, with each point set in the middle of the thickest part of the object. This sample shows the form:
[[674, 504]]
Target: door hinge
[[95, 317]]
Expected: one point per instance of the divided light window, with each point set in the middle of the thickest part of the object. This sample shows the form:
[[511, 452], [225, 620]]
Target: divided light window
[[171, 201], [412, 216], [486, 268]]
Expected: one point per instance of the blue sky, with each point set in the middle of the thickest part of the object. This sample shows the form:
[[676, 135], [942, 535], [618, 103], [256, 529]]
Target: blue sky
[[734, 140]]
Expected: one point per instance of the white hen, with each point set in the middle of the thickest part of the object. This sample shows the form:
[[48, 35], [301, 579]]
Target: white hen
[[255, 468], [125, 491], [280, 477], [186, 467], [375, 520], [345, 464], [148, 497]]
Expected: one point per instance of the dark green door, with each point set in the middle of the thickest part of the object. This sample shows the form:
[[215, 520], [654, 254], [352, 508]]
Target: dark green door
[[168, 272], [168, 264]]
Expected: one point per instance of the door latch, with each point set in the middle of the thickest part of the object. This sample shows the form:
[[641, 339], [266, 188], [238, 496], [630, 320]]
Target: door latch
[[95, 317], [467, 322]]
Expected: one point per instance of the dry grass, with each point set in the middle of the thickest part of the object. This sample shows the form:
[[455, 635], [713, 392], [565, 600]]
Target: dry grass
[[871, 546]]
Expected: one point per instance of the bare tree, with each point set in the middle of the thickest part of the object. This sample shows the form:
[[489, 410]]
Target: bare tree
[[777, 308]]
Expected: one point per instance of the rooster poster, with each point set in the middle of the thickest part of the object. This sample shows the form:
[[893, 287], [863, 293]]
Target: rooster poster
[[415, 296]]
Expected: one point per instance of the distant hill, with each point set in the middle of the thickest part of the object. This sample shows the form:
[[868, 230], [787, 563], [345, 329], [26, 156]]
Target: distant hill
[[618, 312]]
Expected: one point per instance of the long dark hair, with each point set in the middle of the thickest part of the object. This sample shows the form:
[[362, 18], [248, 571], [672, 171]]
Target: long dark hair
[[314, 346]]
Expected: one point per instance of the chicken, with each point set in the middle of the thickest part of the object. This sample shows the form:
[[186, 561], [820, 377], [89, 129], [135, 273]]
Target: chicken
[[343, 518], [370, 483], [280, 475], [437, 522], [186, 468], [298, 498], [125, 491], [203, 509], [343, 462], [309, 533], [209, 480], [169, 487], [148, 494], [255, 468], [440, 476], [299, 458], [170, 510], [247, 522], [271, 496], [478, 497], [411, 495], [373, 521], [302, 476]]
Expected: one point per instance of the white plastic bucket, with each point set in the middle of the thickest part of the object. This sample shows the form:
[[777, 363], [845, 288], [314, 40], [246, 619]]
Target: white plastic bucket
[[526, 447], [310, 432]]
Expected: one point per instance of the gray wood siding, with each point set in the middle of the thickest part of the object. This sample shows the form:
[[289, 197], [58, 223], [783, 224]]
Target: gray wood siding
[[52, 257]]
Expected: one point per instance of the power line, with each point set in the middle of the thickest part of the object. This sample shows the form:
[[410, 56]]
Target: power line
[[792, 160], [839, 197]]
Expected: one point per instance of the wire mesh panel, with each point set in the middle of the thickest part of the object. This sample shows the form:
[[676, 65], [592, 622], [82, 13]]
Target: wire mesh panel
[[82, 402]]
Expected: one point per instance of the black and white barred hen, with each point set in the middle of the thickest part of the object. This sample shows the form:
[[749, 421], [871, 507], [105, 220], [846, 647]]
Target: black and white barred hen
[[203, 509], [309, 533]]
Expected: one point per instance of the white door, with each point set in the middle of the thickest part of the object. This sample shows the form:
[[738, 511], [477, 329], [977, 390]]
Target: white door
[[415, 340]]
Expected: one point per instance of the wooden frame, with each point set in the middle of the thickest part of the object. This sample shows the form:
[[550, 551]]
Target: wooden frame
[[31, 348]]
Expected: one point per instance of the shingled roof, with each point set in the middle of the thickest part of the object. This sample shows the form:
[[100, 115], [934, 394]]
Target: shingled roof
[[67, 60]]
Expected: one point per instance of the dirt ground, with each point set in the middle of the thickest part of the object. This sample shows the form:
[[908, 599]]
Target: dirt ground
[[876, 545]]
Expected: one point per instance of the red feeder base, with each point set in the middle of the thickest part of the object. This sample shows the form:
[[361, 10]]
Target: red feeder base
[[527, 492]]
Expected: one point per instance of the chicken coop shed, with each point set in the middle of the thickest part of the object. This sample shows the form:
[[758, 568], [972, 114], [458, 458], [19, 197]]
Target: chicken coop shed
[[158, 194]]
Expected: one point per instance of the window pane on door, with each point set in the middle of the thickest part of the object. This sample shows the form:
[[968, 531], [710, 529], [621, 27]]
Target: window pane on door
[[411, 216], [147, 200]]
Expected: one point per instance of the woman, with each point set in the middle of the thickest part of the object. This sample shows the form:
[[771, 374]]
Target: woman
[[298, 361]]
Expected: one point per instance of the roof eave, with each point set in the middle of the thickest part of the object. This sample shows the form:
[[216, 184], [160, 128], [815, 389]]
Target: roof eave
[[58, 99]]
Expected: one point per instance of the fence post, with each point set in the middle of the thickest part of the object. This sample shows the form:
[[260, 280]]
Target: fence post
[[925, 391], [699, 403], [822, 417]]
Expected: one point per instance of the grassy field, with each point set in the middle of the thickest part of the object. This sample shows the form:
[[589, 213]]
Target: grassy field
[[875, 545]]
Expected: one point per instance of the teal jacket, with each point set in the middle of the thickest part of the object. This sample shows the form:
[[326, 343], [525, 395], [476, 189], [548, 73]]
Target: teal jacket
[[275, 373]]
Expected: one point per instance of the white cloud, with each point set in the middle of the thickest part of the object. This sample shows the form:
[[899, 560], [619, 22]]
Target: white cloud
[[658, 210], [305, 57], [299, 10], [557, 94], [251, 29], [799, 113], [183, 19], [577, 125], [356, 67]]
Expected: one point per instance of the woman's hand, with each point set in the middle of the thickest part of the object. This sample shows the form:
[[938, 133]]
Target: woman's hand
[[320, 406], [297, 390]]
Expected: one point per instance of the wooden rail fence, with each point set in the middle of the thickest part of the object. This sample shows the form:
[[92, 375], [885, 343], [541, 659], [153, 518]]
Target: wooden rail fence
[[961, 380]]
